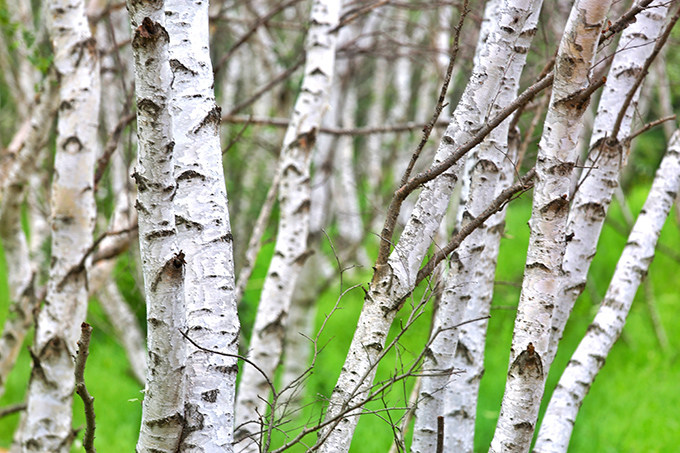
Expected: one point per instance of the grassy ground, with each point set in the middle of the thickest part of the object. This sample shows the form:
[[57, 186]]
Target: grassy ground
[[630, 408]]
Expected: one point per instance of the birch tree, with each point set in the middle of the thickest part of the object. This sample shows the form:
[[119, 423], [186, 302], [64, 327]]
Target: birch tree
[[162, 261], [73, 211], [381, 68], [203, 233], [396, 272], [468, 288], [554, 166], [291, 246], [606, 328]]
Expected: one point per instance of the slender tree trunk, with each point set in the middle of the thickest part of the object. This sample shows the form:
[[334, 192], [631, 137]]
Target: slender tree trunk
[[469, 283], [590, 356], [395, 276], [555, 163], [21, 270], [203, 233], [73, 211], [162, 260], [602, 169], [294, 200]]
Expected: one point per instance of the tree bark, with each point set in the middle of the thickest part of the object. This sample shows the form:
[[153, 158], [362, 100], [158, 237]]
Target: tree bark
[[395, 275], [555, 163], [590, 356], [603, 166], [73, 211], [203, 233], [162, 260], [294, 199]]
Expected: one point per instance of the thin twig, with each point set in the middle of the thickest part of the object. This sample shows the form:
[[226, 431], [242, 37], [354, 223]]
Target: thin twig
[[269, 85], [524, 184], [12, 409], [258, 23], [81, 389]]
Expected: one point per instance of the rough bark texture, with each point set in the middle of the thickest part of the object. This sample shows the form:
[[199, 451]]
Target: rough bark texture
[[162, 261], [555, 163], [605, 159], [294, 200], [469, 285], [395, 278], [606, 328], [203, 233], [73, 210]]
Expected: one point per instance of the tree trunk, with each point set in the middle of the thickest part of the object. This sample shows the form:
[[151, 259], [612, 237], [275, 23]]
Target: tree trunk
[[294, 199], [555, 163], [162, 260], [395, 277], [73, 211], [590, 356], [602, 169]]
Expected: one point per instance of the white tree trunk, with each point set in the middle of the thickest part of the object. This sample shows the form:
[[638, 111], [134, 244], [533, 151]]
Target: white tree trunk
[[395, 279], [607, 154], [162, 260], [203, 233], [20, 269], [294, 199], [73, 210], [555, 163], [469, 286], [606, 328]]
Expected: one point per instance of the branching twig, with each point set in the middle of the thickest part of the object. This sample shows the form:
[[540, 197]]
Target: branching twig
[[81, 265], [427, 130], [111, 145], [524, 184], [81, 389], [268, 86]]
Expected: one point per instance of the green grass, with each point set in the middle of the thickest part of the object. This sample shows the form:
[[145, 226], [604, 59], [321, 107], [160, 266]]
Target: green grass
[[630, 408]]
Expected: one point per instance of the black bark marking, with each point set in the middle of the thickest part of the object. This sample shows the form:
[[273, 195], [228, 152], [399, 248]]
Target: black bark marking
[[528, 364], [212, 119]]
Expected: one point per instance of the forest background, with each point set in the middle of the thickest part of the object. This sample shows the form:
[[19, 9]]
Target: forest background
[[631, 406]]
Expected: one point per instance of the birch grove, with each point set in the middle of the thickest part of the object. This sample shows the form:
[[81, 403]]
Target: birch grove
[[366, 285]]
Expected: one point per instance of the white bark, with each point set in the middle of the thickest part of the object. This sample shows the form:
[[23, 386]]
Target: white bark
[[20, 271], [469, 287], [162, 261], [606, 328], [555, 163], [203, 233], [600, 177], [294, 198], [393, 280], [73, 210]]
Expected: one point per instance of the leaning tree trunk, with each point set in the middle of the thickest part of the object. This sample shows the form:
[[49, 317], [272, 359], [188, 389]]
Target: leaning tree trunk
[[294, 199], [73, 211], [203, 233], [555, 163], [396, 272], [590, 356], [603, 166], [468, 289], [162, 260], [20, 272]]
